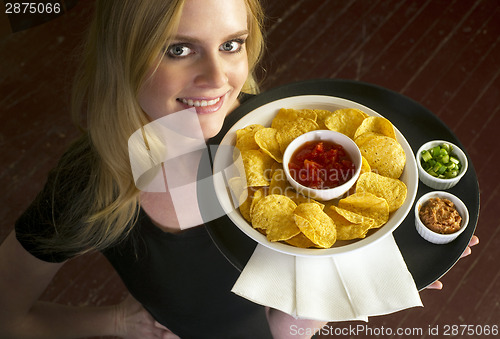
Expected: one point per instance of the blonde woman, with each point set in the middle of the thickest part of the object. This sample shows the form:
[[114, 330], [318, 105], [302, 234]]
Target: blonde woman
[[143, 60]]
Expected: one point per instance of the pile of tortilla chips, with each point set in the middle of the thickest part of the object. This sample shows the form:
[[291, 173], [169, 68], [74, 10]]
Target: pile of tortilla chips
[[274, 208]]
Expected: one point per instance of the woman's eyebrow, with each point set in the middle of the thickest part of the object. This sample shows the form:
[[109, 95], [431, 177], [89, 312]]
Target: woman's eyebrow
[[190, 39]]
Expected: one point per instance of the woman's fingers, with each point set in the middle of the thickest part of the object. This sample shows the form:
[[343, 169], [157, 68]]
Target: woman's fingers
[[466, 252], [157, 324], [473, 242], [437, 285], [166, 333]]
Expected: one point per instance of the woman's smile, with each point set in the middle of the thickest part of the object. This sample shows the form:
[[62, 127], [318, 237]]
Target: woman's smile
[[203, 105]]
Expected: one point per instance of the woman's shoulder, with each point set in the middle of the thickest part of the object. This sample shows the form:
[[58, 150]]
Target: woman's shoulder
[[49, 210], [79, 153], [73, 172]]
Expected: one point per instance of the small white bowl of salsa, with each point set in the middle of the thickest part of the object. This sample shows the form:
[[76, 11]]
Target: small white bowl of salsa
[[322, 164]]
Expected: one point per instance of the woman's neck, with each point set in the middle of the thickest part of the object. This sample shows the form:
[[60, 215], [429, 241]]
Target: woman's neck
[[175, 208]]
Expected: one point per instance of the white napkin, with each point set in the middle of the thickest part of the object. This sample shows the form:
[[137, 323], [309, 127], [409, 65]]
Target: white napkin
[[367, 282]]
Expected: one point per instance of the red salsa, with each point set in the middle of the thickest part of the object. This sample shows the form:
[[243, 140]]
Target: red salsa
[[321, 164]]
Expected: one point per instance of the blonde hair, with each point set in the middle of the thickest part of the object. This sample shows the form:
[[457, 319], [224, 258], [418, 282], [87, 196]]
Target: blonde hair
[[123, 43]]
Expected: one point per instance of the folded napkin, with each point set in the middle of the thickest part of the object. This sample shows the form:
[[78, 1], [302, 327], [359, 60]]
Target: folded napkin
[[353, 286]]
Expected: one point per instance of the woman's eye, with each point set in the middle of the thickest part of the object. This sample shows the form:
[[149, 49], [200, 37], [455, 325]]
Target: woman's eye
[[178, 51], [232, 46]]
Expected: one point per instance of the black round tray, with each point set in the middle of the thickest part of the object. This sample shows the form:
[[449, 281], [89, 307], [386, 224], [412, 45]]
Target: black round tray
[[426, 262]]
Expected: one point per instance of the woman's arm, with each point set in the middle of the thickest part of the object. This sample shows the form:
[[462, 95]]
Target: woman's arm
[[284, 326], [23, 278]]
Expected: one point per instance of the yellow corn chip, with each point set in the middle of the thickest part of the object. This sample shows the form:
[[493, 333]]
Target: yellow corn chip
[[286, 115], [245, 138], [378, 125], [392, 190], [257, 166], [349, 225], [266, 139], [367, 205], [345, 121], [315, 224], [293, 129], [385, 156], [274, 213]]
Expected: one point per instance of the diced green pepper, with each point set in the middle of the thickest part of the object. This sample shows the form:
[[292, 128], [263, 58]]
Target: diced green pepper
[[440, 162], [426, 156], [435, 151]]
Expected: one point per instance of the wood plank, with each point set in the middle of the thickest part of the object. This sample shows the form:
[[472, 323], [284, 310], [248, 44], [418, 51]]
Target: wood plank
[[460, 57], [389, 65]]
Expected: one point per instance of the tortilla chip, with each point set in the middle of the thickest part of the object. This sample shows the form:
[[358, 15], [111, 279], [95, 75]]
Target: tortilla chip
[[349, 225], [266, 139], [274, 213], [301, 241], [378, 125], [315, 224], [257, 166], [287, 115], [345, 121], [293, 129], [365, 166], [257, 195], [385, 156], [367, 205], [246, 200], [322, 115], [392, 190], [245, 138]]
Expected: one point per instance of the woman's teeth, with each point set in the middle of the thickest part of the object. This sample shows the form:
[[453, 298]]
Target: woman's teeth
[[199, 103]]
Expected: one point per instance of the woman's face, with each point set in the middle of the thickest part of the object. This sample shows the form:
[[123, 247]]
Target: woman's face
[[205, 66]]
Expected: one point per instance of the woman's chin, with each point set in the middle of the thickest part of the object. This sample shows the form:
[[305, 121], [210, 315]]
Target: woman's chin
[[211, 129], [211, 124]]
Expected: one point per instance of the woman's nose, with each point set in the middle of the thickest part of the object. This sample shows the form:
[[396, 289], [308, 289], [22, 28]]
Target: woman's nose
[[212, 72]]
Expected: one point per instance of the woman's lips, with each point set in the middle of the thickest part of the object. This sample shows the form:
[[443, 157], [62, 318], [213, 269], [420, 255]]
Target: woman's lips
[[203, 105]]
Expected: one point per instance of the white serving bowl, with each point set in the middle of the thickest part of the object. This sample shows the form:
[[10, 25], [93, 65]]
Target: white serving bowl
[[263, 115], [438, 183], [434, 237], [323, 135]]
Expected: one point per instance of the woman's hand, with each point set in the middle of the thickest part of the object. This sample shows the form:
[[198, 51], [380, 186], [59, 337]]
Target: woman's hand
[[281, 324], [437, 285], [134, 322]]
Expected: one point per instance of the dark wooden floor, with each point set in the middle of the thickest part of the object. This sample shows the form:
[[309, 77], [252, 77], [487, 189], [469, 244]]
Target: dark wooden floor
[[444, 54]]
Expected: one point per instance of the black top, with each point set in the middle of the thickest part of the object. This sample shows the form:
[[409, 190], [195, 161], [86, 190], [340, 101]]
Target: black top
[[181, 279], [184, 282]]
